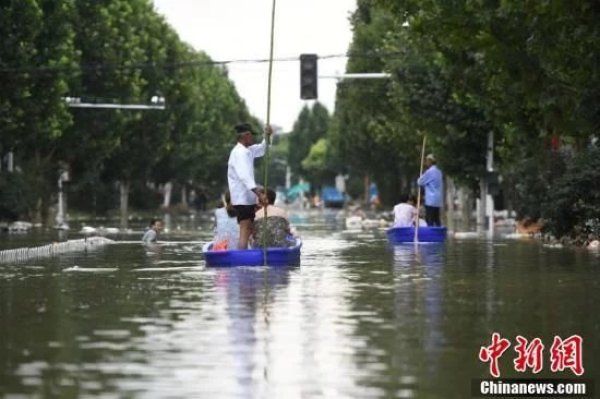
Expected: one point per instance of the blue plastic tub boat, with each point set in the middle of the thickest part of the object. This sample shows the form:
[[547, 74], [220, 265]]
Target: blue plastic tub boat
[[253, 257], [399, 235]]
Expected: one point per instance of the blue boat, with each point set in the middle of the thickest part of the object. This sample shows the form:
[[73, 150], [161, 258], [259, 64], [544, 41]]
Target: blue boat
[[399, 235], [289, 256], [332, 198]]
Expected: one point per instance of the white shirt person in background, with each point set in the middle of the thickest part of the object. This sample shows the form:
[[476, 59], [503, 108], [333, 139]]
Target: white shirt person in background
[[405, 213], [227, 230], [240, 176]]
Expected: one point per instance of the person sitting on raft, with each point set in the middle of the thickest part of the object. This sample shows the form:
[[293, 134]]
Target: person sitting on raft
[[227, 230], [405, 213], [278, 225]]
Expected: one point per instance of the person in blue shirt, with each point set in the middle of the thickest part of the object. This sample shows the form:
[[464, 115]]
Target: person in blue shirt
[[432, 181]]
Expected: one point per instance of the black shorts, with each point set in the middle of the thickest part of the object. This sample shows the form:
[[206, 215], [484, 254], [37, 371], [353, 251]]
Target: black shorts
[[245, 212], [432, 216]]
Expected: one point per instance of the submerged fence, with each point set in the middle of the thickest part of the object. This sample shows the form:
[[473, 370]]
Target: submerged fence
[[23, 254]]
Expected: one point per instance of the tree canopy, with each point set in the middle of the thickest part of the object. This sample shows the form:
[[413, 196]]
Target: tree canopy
[[117, 51]]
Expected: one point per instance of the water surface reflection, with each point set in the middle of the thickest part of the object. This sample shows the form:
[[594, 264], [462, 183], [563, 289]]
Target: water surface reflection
[[356, 319]]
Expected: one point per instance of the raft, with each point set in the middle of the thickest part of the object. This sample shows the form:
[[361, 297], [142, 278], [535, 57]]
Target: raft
[[289, 256], [399, 235]]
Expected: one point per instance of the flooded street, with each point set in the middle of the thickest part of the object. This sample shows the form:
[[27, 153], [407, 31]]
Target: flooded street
[[356, 319]]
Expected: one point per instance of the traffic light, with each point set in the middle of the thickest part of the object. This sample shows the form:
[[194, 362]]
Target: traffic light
[[308, 76]]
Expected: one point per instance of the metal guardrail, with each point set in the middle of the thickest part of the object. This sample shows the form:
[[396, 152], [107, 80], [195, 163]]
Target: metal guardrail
[[22, 254]]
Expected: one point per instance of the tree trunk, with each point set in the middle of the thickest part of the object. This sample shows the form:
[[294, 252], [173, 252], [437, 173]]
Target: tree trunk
[[466, 207], [481, 215], [124, 189], [184, 199], [168, 189], [39, 203], [449, 208]]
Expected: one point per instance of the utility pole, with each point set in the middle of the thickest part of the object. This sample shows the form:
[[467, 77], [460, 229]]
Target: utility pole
[[490, 170], [10, 162], [485, 217], [61, 215]]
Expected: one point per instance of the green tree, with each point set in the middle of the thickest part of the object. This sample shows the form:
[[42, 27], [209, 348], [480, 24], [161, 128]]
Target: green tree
[[37, 59], [311, 125], [318, 164]]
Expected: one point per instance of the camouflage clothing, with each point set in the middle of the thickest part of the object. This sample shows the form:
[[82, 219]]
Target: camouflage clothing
[[277, 232]]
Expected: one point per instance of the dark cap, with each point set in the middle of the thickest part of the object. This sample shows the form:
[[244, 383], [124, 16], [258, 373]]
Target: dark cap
[[243, 128]]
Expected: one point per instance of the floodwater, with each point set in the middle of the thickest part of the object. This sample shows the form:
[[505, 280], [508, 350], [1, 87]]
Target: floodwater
[[357, 319]]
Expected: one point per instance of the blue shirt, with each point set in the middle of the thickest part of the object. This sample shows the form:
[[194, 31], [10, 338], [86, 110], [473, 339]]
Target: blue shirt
[[434, 187]]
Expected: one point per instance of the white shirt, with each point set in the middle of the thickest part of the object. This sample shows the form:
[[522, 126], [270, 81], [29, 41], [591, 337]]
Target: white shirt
[[240, 172], [226, 228], [404, 215]]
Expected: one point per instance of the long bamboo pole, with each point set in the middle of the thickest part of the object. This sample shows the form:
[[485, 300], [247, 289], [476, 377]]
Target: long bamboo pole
[[419, 191], [268, 137]]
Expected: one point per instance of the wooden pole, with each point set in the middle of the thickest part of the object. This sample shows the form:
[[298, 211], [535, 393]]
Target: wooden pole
[[267, 137], [419, 192]]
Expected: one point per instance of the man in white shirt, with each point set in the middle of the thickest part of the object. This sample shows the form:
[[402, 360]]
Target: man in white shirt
[[240, 175]]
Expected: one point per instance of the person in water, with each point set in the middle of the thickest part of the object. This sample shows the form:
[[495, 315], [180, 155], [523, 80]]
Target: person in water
[[227, 230], [240, 176], [151, 235]]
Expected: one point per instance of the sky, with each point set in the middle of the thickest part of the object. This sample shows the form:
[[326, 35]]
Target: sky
[[240, 29]]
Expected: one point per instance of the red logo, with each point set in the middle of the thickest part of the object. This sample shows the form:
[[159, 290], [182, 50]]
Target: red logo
[[529, 355], [567, 354], [493, 352], [564, 354]]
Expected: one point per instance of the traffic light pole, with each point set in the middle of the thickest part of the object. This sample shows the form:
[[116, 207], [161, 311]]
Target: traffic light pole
[[156, 103], [344, 76], [309, 76]]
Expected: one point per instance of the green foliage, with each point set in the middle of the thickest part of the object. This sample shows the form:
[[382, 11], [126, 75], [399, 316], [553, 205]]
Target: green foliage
[[15, 199], [571, 207], [368, 134], [526, 71], [37, 57], [318, 165], [113, 51], [311, 125], [278, 160]]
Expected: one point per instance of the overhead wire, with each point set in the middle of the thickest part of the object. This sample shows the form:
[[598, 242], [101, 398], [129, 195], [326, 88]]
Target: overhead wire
[[79, 68]]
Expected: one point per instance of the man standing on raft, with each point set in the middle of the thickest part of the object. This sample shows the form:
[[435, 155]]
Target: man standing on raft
[[240, 175], [432, 181]]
